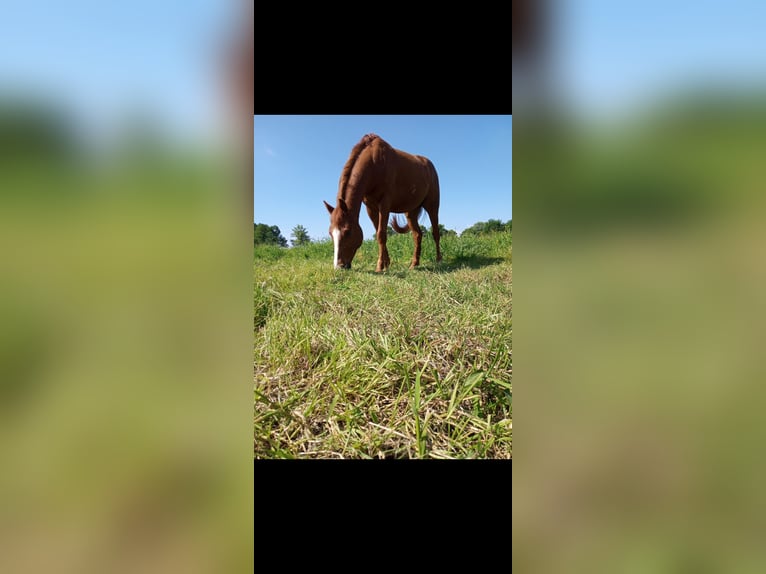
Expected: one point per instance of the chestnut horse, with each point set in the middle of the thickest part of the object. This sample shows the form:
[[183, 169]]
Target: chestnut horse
[[388, 181]]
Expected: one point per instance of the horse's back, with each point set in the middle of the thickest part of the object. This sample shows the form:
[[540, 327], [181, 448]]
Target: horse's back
[[416, 166], [395, 177]]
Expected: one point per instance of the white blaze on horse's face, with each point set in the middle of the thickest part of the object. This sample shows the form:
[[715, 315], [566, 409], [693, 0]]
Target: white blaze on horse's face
[[336, 242]]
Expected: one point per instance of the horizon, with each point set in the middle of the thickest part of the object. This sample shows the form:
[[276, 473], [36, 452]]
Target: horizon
[[469, 153]]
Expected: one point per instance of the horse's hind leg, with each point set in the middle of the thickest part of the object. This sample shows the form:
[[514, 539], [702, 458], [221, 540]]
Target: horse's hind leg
[[417, 236], [433, 215]]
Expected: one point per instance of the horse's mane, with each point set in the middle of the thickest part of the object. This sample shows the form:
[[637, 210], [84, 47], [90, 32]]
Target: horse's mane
[[356, 151]]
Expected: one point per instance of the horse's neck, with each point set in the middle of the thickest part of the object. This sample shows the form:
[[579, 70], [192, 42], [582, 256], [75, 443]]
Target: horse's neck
[[353, 199]]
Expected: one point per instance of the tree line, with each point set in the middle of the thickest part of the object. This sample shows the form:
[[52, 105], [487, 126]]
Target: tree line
[[489, 226], [264, 234]]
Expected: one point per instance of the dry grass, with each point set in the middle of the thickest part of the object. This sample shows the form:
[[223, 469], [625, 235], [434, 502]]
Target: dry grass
[[406, 364]]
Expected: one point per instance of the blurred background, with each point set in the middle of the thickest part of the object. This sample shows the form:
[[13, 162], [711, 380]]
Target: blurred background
[[639, 171], [125, 290]]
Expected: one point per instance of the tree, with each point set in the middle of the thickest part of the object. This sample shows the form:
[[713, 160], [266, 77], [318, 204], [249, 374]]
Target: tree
[[494, 225], [489, 226], [268, 235], [443, 231], [300, 236], [476, 229]]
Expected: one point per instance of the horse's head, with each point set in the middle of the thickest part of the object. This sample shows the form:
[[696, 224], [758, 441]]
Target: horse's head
[[346, 234]]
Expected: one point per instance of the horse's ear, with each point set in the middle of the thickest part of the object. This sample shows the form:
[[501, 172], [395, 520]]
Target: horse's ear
[[328, 206], [342, 204]]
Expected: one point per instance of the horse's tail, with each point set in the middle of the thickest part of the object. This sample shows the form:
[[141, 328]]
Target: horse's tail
[[403, 228], [399, 228]]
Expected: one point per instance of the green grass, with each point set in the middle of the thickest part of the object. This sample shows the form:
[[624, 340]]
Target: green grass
[[403, 364]]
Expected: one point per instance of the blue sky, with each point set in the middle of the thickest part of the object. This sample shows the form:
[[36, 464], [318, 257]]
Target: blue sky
[[298, 161], [100, 59]]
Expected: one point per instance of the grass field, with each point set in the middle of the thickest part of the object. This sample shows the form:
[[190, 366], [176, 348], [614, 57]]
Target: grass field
[[405, 364]]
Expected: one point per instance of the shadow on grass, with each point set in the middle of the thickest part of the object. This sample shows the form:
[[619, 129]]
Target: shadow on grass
[[456, 263], [446, 266]]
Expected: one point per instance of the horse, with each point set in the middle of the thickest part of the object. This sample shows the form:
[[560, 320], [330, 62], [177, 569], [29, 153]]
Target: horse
[[388, 181]]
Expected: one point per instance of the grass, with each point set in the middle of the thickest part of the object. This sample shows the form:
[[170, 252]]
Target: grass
[[403, 364]]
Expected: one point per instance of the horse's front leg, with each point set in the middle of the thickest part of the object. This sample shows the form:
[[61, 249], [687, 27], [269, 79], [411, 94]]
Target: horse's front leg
[[383, 260]]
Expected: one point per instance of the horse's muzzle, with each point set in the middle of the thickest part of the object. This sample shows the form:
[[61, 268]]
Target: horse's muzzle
[[344, 266]]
